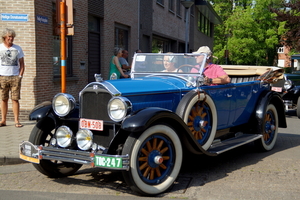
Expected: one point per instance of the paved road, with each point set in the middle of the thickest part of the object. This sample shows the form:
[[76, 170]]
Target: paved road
[[242, 173]]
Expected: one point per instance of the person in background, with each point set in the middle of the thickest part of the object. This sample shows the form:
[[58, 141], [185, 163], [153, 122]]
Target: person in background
[[124, 64], [214, 74], [138, 51], [115, 69], [169, 64], [11, 72]]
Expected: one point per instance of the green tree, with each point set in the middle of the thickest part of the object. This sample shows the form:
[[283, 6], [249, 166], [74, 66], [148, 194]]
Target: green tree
[[289, 14], [248, 32]]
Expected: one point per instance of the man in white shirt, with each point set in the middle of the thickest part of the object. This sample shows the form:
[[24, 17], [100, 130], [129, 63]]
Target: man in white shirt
[[11, 73]]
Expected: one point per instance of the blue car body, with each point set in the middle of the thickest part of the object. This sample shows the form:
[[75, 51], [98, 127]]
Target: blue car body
[[142, 125]]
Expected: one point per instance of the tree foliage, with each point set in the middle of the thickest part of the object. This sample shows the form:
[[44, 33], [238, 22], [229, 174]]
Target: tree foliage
[[289, 13], [249, 32]]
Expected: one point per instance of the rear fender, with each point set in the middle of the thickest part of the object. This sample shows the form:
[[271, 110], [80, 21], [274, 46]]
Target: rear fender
[[270, 97]]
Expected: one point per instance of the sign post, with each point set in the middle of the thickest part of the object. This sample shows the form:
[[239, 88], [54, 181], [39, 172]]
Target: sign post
[[64, 16], [63, 45]]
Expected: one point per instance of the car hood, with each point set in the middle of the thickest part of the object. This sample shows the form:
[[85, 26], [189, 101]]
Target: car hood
[[147, 85]]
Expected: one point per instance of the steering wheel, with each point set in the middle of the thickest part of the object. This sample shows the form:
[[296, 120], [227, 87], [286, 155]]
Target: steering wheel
[[187, 65]]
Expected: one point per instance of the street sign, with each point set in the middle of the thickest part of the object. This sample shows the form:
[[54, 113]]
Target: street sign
[[14, 17]]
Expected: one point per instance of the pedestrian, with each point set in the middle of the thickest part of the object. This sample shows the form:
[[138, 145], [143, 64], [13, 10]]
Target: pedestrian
[[124, 64], [11, 73], [115, 69], [214, 74]]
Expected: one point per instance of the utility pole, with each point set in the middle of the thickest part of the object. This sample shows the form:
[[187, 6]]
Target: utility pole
[[63, 45], [64, 18]]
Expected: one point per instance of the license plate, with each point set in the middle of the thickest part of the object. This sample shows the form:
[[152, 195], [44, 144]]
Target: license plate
[[91, 124], [108, 162], [28, 152], [276, 89]]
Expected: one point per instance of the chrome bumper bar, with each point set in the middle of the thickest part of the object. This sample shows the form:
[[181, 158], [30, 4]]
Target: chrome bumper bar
[[33, 153]]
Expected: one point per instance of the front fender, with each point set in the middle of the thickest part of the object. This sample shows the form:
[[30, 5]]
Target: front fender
[[270, 97], [44, 109], [40, 111]]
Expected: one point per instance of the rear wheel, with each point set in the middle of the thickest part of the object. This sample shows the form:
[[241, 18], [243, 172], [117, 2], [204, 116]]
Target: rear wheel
[[269, 129], [298, 107], [41, 135], [155, 160]]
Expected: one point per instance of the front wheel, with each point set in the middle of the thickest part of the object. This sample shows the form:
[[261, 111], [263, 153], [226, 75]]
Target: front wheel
[[41, 135], [155, 160], [269, 129]]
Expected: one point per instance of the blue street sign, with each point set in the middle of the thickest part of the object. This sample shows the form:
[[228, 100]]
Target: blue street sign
[[14, 17], [42, 19]]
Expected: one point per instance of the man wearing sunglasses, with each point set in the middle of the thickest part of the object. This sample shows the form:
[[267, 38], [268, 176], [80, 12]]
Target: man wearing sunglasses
[[11, 73]]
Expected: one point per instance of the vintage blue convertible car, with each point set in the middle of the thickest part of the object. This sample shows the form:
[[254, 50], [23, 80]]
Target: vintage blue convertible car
[[143, 125]]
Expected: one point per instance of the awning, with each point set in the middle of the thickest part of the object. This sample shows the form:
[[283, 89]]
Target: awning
[[207, 10], [296, 56]]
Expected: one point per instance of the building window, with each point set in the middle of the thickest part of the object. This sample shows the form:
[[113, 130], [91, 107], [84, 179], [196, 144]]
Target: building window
[[56, 49], [178, 8], [160, 2], [171, 5], [204, 25], [160, 45], [280, 50], [121, 36]]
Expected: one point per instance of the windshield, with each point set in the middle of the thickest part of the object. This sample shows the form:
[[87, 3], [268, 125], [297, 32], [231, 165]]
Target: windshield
[[174, 64]]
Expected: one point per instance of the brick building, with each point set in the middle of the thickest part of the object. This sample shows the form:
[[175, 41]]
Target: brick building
[[99, 26]]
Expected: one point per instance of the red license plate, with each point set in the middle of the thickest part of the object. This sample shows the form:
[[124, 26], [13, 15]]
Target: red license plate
[[91, 124]]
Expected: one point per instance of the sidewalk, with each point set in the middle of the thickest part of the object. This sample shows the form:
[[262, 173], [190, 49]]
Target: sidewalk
[[10, 138]]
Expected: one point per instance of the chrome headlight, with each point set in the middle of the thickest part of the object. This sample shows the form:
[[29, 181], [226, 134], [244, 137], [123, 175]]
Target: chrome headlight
[[118, 108], [64, 136], [287, 84], [62, 104], [84, 138]]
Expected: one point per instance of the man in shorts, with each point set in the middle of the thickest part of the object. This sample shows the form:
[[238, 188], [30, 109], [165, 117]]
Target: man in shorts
[[11, 73]]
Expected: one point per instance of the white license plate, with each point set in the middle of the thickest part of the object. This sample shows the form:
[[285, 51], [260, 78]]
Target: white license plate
[[108, 162], [91, 124], [276, 89]]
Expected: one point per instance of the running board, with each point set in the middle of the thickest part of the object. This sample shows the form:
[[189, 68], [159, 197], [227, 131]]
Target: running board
[[226, 145]]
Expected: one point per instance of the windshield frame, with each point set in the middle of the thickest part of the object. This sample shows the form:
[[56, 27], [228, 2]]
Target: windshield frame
[[141, 63]]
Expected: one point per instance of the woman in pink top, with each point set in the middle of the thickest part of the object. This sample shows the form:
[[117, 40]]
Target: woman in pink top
[[214, 74]]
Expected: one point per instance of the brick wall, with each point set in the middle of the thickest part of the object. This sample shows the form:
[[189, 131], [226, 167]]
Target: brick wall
[[25, 38], [36, 40], [118, 12]]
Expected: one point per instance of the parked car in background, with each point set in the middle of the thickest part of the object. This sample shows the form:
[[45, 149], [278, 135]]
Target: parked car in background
[[291, 92], [143, 125]]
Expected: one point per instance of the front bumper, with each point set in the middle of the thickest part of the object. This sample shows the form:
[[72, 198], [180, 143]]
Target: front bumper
[[34, 153]]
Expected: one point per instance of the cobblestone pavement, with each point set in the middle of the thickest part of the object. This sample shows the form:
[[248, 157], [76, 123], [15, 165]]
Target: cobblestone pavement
[[242, 173]]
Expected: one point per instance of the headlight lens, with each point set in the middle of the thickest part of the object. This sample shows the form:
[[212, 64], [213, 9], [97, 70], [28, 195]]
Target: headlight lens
[[118, 108], [287, 84], [63, 103], [84, 138], [64, 136]]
